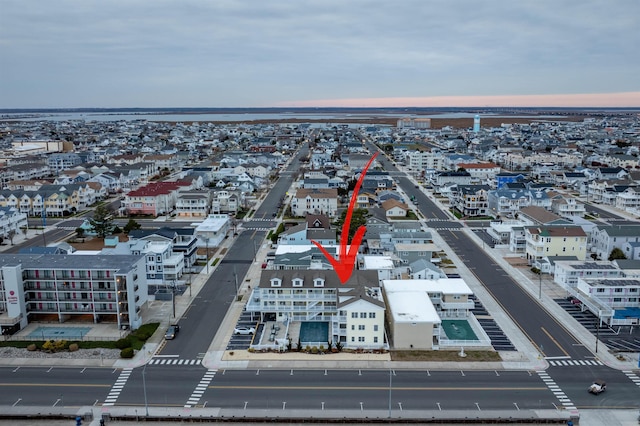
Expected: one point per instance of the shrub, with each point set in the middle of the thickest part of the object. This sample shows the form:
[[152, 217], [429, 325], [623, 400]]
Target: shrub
[[314, 350], [126, 353], [32, 347], [321, 348], [123, 343], [308, 348], [73, 347], [54, 345]]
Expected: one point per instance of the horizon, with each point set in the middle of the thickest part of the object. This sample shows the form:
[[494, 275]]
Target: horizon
[[361, 53]]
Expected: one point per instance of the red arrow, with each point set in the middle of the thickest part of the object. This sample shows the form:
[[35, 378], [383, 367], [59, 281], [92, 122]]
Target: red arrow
[[346, 260]]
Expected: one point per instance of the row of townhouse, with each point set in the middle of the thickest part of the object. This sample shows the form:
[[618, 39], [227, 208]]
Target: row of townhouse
[[53, 200], [76, 287], [160, 198]]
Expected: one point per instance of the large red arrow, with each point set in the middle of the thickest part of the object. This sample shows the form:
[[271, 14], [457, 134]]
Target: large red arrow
[[346, 260]]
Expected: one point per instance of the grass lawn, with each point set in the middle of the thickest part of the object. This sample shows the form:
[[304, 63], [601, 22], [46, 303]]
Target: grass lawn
[[442, 356]]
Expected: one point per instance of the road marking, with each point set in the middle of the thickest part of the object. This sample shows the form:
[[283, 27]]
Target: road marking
[[117, 387], [554, 341], [197, 393]]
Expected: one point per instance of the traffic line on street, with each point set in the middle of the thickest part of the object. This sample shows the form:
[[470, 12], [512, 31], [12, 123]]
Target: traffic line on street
[[200, 388], [117, 387], [568, 362], [555, 389]]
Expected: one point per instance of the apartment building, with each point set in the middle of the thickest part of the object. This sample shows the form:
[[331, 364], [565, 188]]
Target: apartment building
[[71, 287], [615, 301], [353, 312], [417, 308], [315, 201], [567, 272]]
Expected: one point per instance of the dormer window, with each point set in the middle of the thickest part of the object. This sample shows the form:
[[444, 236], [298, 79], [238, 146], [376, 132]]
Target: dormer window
[[276, 282], [318, 282], [297, 282]]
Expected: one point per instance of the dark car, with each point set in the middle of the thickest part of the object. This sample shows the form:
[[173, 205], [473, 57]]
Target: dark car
[[172, 332]]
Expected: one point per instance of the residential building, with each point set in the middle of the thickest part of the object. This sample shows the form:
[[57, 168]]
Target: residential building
[[315, 201], [75, 287], [417, 308], [544, 241], [353, 311]]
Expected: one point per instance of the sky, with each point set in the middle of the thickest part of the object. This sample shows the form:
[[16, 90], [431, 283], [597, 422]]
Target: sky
[[343, 53]]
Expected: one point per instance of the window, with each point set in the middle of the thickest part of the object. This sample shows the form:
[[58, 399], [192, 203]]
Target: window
[[375, 339], [297, 282], [375, 327], [353, 326], [276, 282], [372, 314], [354, 315], [353, 339], [600, 290], [618, 290], [361, 327], [361, 339], [363, 314]]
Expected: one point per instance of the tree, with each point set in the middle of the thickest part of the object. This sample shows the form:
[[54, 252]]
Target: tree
[[616, 253], [80, 232], [358, 218], [131, 225], [102, 222]]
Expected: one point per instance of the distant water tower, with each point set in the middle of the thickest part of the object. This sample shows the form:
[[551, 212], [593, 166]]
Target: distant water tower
[[476, 123]]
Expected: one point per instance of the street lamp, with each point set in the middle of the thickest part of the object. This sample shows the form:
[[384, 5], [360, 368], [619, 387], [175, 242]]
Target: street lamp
[[144, 390], [390, 382]]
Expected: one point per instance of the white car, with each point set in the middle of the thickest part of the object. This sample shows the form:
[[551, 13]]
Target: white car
[[244, 330]]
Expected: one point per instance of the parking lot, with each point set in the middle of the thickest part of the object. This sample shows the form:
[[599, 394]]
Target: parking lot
[[622, 338], [243, 341], [499, 340]]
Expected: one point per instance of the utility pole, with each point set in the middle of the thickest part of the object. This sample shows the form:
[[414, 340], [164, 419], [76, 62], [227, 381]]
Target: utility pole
[[235, 274], [207, 243], [540, 286]]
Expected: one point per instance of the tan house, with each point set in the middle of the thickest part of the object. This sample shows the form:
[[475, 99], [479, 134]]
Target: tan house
[[394, 208]]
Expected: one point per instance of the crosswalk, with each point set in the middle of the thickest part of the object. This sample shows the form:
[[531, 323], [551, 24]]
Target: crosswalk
[[633, 376], [117, 387], [174, 361], [553, 387], [574, 362], [196, 395]]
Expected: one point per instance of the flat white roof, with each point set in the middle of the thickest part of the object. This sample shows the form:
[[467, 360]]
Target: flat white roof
[[377, 262], [412, 306], [440, 285], [301, 248]]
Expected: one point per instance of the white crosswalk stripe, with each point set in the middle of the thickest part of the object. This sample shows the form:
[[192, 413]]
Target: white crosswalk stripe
[[174, 361], [555, 389], [199, 390], [633, 376], [114, 393], [568, 362]]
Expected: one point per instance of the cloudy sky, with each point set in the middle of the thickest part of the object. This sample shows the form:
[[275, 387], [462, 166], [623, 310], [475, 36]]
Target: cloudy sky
[[262, 53]]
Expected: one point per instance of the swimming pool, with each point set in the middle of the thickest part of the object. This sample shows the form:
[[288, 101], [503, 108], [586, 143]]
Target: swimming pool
[[59, 333]]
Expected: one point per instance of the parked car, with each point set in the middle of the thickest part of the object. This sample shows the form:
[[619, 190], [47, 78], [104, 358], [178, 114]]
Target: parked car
[[172, 332], [597, 387], [244, 330]]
